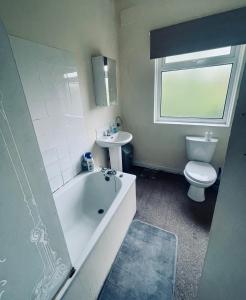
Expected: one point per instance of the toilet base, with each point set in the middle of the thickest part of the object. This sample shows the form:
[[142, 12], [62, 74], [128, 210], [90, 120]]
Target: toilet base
[[196, 193]]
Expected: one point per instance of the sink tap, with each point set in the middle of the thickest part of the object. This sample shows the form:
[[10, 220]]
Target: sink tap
[[107, 132]]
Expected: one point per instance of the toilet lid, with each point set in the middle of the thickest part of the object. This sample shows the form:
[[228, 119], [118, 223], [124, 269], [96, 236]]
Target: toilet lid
[[200, 171]]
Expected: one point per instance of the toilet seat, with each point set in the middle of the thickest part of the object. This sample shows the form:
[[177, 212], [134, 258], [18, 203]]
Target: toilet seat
[[200, 172]]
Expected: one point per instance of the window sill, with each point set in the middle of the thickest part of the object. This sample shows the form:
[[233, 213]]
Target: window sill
[[185, 123]]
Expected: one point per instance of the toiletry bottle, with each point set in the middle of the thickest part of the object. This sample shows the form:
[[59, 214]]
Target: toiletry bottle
[[91, 165], [88, 162], [114, 128]]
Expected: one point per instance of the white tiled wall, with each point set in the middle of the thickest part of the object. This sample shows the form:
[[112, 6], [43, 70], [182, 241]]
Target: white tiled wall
[[50, 81]]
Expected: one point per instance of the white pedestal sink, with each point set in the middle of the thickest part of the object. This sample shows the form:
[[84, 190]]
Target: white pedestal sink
[[114, 143]]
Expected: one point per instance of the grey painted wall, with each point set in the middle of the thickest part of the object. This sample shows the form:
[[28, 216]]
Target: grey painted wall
[[225, 264]]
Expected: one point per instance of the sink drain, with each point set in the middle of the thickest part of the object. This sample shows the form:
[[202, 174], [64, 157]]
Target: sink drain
[[100, 211]]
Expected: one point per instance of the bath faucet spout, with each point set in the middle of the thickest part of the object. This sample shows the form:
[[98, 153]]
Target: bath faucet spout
[[108, 173]]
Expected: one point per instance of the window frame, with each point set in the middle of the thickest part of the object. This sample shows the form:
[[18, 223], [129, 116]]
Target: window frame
[[236, 58]]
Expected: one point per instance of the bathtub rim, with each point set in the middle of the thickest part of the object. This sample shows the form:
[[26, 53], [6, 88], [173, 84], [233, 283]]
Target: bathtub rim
[[127, 181]]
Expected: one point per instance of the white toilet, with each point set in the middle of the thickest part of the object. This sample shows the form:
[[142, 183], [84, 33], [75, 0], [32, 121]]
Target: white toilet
[[198, 172]]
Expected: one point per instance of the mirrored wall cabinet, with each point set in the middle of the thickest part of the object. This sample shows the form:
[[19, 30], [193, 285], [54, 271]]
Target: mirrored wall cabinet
[[104, 73]]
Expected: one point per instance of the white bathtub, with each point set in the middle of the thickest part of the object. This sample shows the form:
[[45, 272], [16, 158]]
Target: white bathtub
[[93, 237]]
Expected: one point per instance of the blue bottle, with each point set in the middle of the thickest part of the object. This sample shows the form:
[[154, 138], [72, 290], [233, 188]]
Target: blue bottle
[[87, 162]]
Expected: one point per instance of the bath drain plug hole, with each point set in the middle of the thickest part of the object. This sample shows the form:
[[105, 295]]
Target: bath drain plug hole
[[101, 211]]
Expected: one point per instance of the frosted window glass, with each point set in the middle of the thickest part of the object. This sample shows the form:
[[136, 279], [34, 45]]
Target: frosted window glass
[[195, 93], [199, 55]]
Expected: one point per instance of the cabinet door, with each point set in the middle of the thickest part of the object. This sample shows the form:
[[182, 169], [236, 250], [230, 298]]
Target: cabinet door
[[34, 261], [112, 81], [100, 81]]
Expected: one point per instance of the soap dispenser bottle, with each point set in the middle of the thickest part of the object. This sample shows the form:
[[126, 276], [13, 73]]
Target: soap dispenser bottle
[[114, 128]]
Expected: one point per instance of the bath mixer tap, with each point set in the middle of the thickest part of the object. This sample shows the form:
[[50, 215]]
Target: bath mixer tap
[[108, 173]]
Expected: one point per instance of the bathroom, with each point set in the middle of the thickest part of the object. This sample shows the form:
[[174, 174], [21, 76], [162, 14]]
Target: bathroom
[[48, 121]]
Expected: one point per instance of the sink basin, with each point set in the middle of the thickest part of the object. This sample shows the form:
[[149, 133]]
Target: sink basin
[[114, 143], [116, 139]]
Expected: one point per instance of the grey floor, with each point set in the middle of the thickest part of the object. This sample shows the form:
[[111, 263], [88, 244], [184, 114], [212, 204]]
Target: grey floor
[[162, 201]]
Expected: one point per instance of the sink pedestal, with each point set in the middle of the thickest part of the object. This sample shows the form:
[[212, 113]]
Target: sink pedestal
[[115, 158], [114, 141]]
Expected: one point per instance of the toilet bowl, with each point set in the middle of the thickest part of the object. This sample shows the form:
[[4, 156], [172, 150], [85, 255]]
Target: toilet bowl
[[198, 171], [200, 175]]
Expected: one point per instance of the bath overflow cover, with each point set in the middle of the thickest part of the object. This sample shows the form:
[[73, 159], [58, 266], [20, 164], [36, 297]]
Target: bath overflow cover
[[100, 211]]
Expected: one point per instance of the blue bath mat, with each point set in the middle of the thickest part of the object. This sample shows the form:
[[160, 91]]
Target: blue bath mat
[[145, 266]]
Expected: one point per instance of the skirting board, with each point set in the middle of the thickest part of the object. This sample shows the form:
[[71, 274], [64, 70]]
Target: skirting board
[[157, 167]]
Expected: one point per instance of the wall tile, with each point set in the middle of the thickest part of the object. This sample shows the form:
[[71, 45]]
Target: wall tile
[[53, 170], [67, 175], [50, 81], [50, 156], [55, 183]]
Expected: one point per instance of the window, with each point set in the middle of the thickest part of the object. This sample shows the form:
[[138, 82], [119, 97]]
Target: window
[[198, 87]]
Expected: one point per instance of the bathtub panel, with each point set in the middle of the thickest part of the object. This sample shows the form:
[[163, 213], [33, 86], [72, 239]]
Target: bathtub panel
[[94, 238], [92, 274]]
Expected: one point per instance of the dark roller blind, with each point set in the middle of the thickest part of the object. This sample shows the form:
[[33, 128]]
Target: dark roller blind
[[219, 30]]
